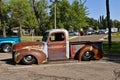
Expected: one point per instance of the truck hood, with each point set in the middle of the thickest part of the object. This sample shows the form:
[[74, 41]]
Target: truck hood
[[28, 45]]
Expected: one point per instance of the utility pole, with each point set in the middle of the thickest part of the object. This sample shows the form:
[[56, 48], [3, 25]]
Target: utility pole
[[55, 16], [55, 4], [108, 24]]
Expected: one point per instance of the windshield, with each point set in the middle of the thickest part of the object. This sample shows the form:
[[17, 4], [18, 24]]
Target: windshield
[[45, 36]]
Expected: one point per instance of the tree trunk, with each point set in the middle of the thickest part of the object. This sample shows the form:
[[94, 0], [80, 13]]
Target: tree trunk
[[37, 16], [20, 31], [4, 30]]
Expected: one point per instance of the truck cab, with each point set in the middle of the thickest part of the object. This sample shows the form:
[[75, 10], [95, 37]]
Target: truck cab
[[55, 46]]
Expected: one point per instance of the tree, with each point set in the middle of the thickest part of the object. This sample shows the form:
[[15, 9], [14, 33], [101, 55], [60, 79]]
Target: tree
[[22, 13], [3, 16], [79, 14], [69, 15], [102, 22], [92, 23], [63, 10], [116, 23], [40, 10]]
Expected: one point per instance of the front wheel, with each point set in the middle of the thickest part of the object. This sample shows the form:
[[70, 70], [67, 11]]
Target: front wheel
[[29, 59], [6, 48]]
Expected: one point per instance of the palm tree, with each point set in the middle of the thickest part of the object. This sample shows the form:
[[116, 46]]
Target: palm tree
[[108, 23]]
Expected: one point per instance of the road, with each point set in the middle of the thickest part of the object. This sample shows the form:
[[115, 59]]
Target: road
[[107, 68]]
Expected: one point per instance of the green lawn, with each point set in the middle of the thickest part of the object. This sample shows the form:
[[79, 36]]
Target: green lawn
[[115, 48]]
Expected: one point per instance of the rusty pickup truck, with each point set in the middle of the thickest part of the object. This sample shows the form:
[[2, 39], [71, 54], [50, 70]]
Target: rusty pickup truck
[[55, 45]]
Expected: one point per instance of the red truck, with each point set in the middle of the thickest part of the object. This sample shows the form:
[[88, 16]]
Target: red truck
[[55, 45]]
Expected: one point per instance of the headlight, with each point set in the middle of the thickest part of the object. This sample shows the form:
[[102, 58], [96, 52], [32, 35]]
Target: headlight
[[40, 47]]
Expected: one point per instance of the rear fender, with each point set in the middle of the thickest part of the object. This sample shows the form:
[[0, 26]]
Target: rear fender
[[39, 55], [97, 53]]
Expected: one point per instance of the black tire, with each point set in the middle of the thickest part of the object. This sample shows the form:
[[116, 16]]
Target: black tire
[[6, 48], [87, 56], [28, 60]]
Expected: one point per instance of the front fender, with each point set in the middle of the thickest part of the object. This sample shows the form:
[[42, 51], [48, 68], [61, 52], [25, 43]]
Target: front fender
[[39, 55]]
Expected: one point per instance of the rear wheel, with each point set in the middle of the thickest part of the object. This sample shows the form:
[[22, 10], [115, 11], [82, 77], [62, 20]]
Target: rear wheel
[[6, 48], [29, 59], [88, 55]]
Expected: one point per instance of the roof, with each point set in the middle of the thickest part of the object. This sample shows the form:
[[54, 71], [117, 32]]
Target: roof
[[58, 30]]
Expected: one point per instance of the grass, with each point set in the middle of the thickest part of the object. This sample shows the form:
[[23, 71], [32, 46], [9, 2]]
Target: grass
[[115, 48], [30, 38], [116, 35]]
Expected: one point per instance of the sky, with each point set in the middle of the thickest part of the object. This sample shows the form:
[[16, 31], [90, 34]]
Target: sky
[[98, 7]]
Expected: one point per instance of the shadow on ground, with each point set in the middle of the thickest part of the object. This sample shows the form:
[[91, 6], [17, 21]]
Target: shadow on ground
[[107, 57], [112, 58], [8, 61]]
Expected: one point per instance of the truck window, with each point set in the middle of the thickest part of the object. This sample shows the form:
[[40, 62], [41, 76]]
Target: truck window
[[57, 37], [45, 36]]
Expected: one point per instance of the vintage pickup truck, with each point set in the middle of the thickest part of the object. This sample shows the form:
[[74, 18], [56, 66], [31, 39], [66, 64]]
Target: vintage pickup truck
[[6, 43], [55, 45]]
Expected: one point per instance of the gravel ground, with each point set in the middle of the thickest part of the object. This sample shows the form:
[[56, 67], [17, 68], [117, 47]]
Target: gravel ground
[[106, 69]]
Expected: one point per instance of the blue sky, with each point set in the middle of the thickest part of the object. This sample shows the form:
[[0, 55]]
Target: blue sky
[[98, 7]]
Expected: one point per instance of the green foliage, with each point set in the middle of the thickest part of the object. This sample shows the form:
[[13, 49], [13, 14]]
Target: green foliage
[[102, 23], [116, 23], [92, 23], [68, 15], [63, 9], [40, 11], [79, 14], [21, 12], [4, 9], [34, 14]]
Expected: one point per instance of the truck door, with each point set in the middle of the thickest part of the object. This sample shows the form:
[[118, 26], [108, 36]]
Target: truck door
[[57, 46]]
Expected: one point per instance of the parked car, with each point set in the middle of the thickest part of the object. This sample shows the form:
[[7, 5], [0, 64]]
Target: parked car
[[89, 32], [73, 33], [6, 43], [102, 31]]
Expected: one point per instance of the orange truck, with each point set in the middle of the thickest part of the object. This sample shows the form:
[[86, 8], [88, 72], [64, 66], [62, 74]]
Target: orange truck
[[55, 45]]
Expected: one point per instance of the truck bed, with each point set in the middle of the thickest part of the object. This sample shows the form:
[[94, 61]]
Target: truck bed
[[76, 46]]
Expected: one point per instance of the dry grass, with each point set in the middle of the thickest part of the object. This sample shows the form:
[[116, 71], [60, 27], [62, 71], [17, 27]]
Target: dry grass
[[30, 38]]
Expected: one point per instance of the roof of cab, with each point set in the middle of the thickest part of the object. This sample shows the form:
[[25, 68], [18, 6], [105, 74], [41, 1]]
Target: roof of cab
[[58, 30]]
